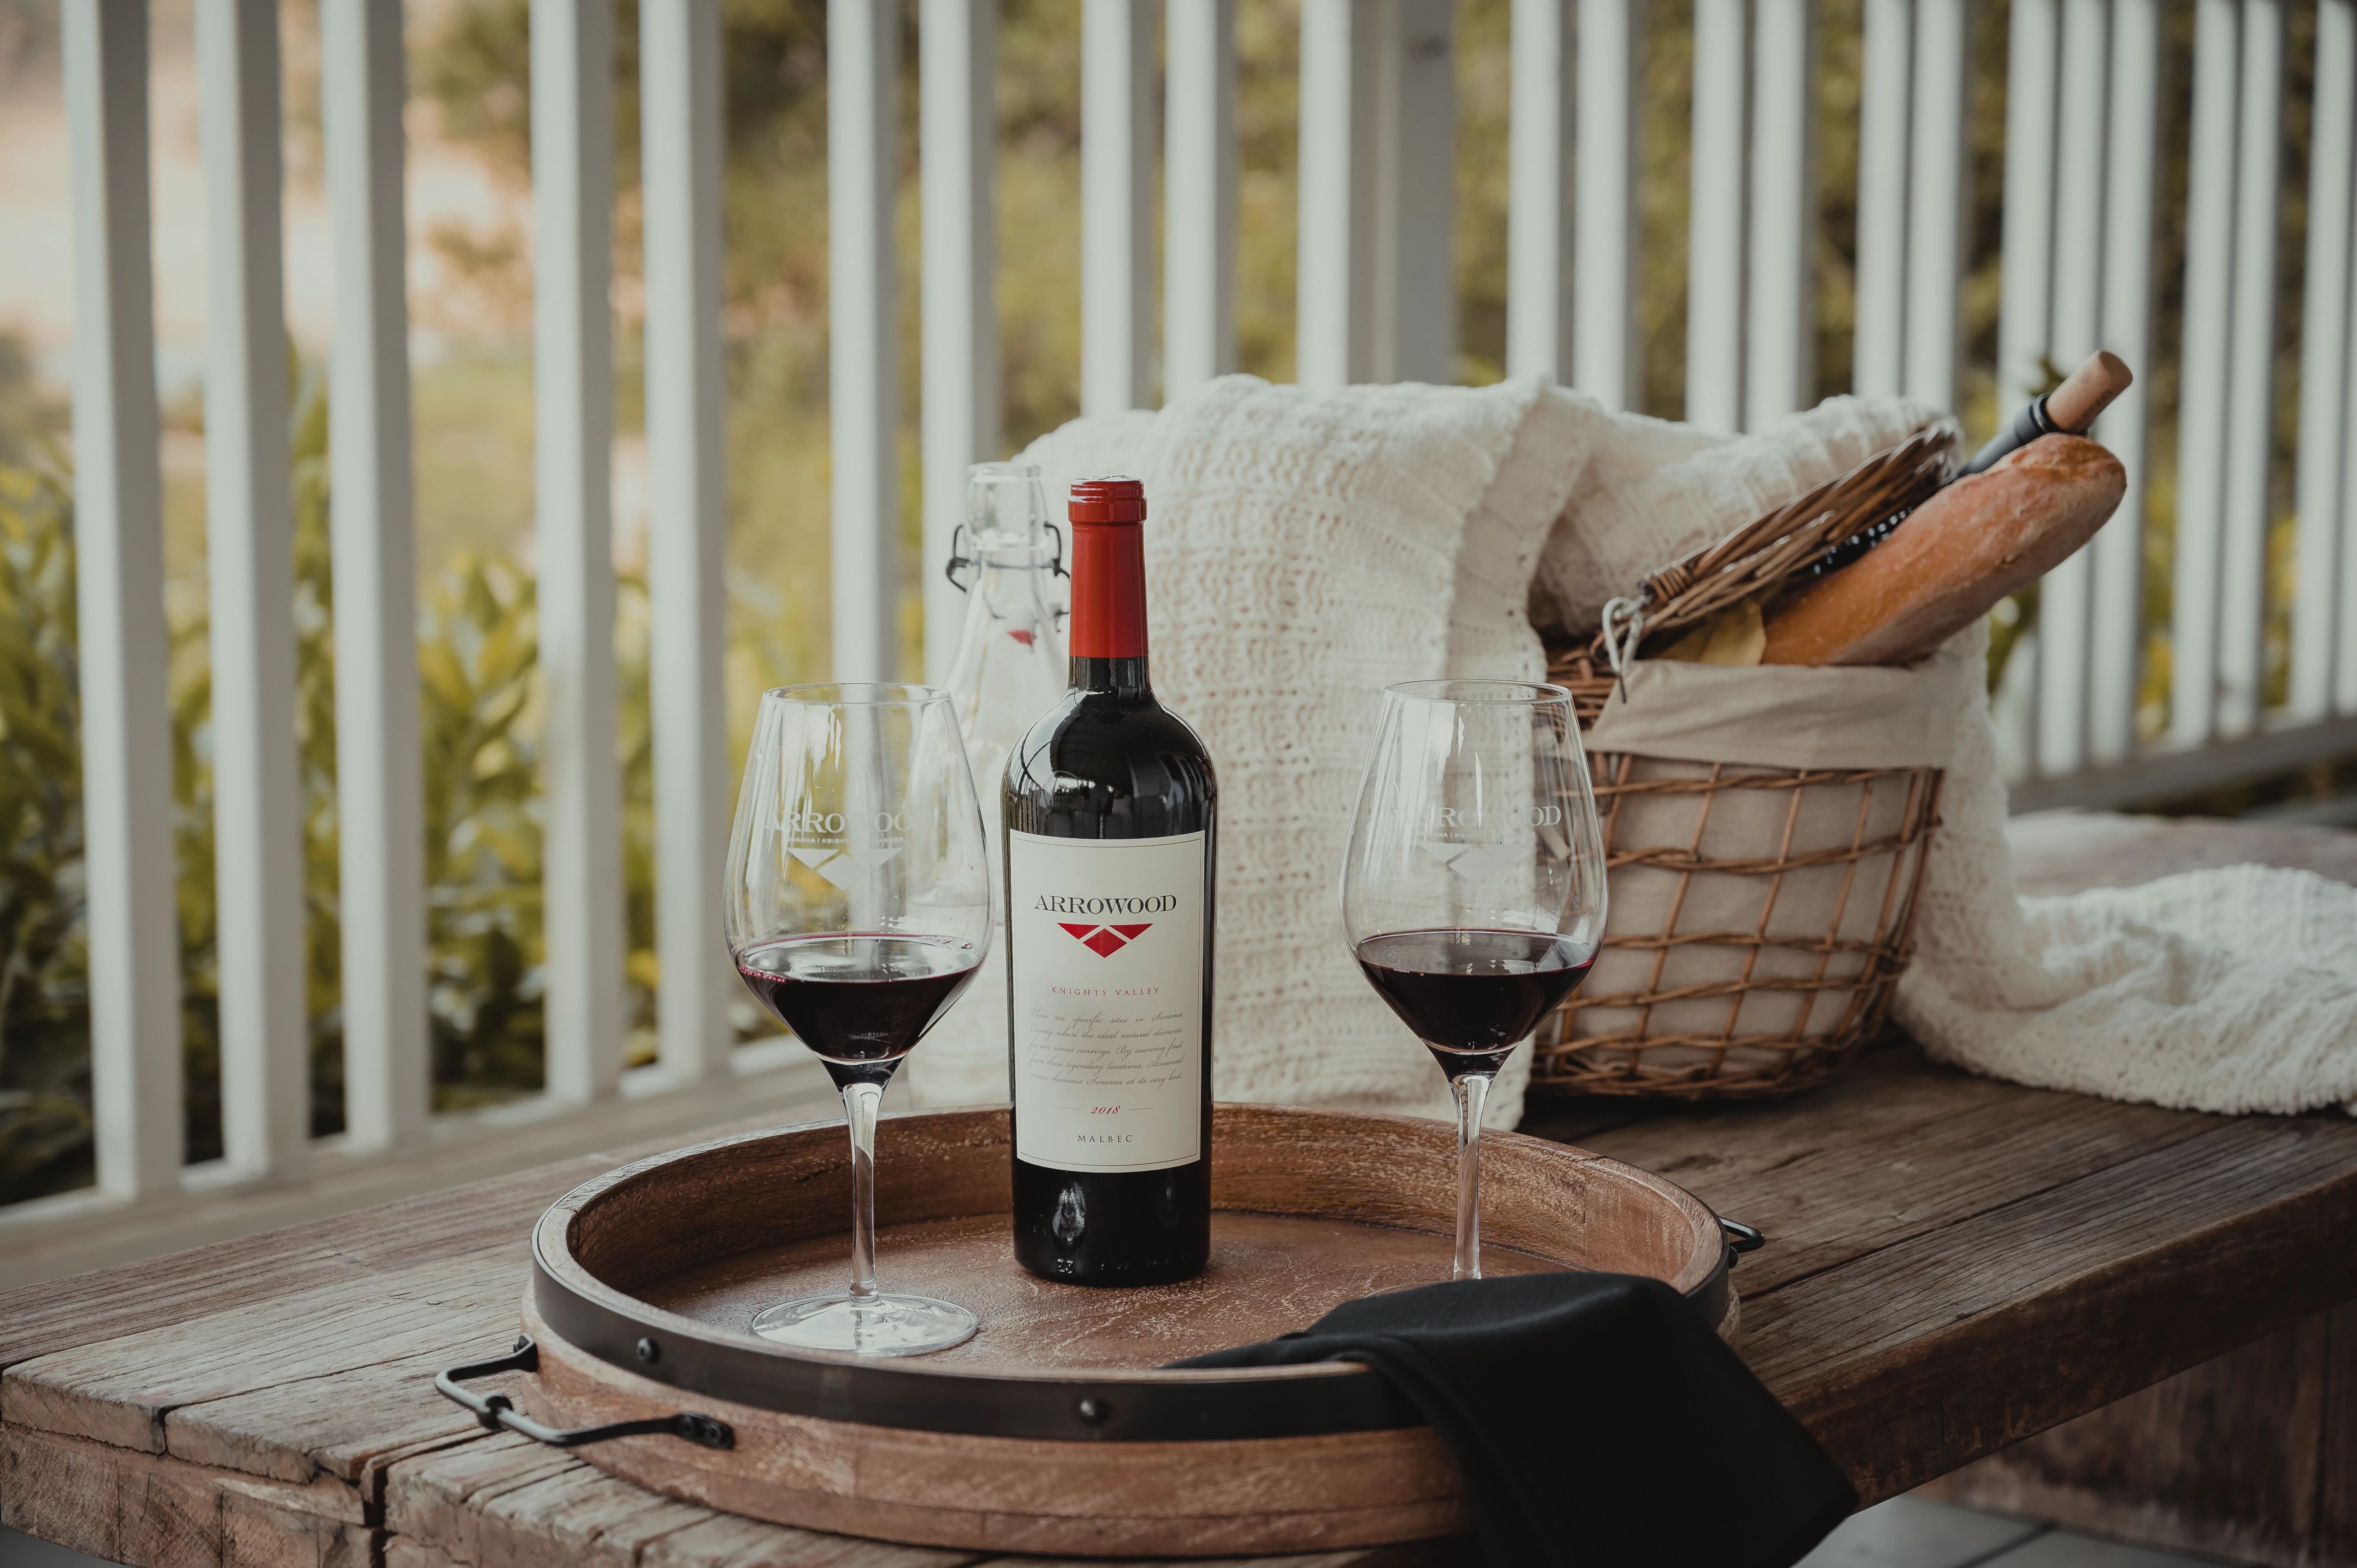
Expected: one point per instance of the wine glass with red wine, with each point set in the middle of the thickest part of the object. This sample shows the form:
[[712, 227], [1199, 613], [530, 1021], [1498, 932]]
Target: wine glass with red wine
[[858, 909], [1473, 895]]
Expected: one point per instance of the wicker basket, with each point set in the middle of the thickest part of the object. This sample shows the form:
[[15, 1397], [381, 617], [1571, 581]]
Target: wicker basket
[[1781, 901]]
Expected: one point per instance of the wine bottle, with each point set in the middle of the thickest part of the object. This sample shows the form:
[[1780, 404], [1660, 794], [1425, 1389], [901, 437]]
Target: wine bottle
[[1109, 811]]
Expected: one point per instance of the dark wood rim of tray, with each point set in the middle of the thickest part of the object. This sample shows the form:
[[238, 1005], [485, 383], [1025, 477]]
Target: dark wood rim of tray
[[1143, 1406]]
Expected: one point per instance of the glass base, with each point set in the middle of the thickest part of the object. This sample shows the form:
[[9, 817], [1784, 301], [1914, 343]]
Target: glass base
[[867, 1325]]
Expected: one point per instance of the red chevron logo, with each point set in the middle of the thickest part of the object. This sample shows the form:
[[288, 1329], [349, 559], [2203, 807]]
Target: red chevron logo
[[1106, 941]]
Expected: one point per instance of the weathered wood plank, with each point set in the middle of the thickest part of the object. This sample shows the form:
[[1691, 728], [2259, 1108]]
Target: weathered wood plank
[[59, 1314], [161, 1513], [2244, 1457], [507, 1503], [126, 1389], [1946, 1347], [348, 1250], [1894, 1149], [347, 1424], [402, 1552]]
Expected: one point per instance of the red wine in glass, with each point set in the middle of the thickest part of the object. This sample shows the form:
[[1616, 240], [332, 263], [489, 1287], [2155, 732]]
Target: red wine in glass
[[859, 1001], [1471, 995], [857, 908], [1473, 894]]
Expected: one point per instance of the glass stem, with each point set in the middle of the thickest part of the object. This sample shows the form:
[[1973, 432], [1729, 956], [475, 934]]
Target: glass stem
[[1472, 1093], [860, 1101]]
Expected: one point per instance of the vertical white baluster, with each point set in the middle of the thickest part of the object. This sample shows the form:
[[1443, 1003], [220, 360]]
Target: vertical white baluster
[[1415, 194], [1607, 361], [380, 807], [2115, 625], [957, 131], [2202, 400], [2250, 408], [126, 733], [2033, 66], [1199, 174], [863, 354], [2344, 679], [1935, 230], [572, 393], [1876, 351], [1779, 354], [1715, 223], [687, 407], [1334, 336], [1116, 205], [249, 548], [2324, 369], [1539, 231], [2063, 600]]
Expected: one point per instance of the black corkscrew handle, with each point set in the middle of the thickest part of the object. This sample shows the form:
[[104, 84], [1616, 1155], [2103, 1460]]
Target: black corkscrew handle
[[2028, 425]]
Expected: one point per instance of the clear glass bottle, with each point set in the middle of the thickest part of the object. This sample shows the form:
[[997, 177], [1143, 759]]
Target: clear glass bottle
[[1009, 669]]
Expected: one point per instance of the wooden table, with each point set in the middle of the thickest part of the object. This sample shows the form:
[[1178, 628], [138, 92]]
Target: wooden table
[[1953, 1264]]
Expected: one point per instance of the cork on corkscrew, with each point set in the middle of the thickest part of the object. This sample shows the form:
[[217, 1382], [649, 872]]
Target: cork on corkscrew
[[2068, 410]]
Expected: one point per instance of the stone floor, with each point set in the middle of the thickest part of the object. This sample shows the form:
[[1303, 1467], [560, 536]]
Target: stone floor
[[1901, 1533], [1908, 1533]]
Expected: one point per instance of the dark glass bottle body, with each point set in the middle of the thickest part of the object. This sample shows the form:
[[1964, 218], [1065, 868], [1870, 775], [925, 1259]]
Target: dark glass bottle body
[[1110, 762]]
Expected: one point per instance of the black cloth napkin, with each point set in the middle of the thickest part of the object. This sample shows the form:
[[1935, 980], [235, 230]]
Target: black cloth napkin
[[1598, 1420]]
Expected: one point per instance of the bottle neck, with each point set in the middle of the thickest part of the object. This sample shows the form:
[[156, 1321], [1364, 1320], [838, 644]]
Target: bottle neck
[[1120, 677], [1108, 634]]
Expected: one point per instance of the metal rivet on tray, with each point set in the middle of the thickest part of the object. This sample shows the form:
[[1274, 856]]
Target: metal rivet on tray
[[1094, 1410], [649, 1352]]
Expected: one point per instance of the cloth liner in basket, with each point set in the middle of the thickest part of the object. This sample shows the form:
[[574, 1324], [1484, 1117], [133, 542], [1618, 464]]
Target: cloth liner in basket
[[1766, 831]]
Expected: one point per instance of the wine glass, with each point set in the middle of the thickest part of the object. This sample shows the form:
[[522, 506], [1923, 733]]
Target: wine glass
[[1473, 894], [858, 909]]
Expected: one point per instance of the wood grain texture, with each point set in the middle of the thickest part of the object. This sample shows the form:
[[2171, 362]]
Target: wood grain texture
[[141, 1508], [345, 1251], [2246, 1457], [1897, 1148], [125, 1390], [1311, 1208], [1292, 1494], [1942, 1348], [503, 1502], [1269, 1274]]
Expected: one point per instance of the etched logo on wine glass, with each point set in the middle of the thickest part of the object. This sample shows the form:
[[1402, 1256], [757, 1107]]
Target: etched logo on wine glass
[[820, 840], [1478, 845]]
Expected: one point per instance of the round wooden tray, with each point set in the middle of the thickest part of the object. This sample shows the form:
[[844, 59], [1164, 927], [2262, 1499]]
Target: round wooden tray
[[1053, 1430]]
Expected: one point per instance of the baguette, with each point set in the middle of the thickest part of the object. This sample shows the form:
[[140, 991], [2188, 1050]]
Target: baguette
[[1982, 538]]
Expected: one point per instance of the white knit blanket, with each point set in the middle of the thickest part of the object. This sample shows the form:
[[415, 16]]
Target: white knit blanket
[[1306, 549], [2230, 989]]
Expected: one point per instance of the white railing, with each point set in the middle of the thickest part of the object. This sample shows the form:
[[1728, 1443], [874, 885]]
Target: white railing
[[1376, 301]]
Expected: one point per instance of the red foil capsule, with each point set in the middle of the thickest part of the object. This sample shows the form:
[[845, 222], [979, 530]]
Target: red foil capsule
[[1108, 569]]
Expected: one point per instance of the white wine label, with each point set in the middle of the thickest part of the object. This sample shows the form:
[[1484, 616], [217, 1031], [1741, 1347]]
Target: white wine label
[[1106, 938]]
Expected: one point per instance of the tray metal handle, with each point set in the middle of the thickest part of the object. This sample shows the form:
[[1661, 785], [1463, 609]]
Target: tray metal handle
[[1740, 1237], [496, 1411]]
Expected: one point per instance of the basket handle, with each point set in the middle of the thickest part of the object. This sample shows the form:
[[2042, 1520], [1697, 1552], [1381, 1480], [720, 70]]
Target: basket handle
[[496, 1411]]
